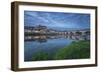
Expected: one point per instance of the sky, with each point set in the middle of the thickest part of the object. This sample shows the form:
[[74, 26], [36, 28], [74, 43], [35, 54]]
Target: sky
[[57, 20]]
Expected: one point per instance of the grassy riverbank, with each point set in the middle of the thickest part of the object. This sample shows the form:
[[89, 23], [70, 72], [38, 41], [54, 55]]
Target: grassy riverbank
[[76, 50]]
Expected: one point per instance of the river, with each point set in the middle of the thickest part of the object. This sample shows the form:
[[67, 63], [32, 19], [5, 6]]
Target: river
[[50, 44]]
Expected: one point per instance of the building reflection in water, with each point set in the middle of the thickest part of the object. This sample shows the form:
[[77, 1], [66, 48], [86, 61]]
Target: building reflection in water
[[45, 38]]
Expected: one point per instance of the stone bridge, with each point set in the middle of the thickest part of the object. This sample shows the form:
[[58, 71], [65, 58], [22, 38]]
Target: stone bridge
[[75, 32]]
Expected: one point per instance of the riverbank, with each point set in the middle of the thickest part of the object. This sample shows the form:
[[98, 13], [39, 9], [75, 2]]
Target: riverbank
[[76, 50]]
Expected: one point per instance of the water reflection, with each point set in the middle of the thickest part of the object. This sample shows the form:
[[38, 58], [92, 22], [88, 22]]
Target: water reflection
[[44, 38]]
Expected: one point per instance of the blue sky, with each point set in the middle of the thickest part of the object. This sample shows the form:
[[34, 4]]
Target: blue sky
[[57, 20]]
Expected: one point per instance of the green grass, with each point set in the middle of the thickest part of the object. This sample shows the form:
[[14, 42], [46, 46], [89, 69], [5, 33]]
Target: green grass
[[76, 50], [41, 55]]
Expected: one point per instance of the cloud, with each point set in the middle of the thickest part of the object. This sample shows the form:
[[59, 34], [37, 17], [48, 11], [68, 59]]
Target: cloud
[[57, 19]]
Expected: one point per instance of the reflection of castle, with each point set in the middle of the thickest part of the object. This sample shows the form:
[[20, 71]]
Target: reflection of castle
[[44, 38], [43, 30]]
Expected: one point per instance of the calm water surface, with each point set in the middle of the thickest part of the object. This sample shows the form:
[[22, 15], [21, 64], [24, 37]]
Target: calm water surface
[[47, 44], [31, 47]]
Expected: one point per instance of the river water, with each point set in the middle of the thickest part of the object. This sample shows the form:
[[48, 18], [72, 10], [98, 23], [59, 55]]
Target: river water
[[50, 44]]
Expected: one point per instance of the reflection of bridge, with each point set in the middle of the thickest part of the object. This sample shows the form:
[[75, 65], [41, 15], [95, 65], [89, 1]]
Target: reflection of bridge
[[44, 38]]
